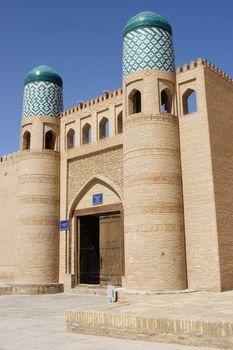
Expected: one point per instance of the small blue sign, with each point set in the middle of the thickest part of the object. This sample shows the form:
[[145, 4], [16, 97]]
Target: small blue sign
[[97, 198], [64, 225]]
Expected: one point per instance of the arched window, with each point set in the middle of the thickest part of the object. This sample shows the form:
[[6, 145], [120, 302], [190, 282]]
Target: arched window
[[189, 100], [166, 101], [70, 139], [86, 134], [104, 128], [26, 140], [119, 123], [50, 140], [135, 102]]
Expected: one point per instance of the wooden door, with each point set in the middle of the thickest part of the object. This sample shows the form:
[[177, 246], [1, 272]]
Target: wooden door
[[89, 250], [111, 249]]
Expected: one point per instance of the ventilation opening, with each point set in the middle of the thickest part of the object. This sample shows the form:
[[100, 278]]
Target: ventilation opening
[[119, 123], [189, 101], [166, 101], [86, 134], [135, 102], [26, 140], [70, 139], [50, 140], [104, 128]]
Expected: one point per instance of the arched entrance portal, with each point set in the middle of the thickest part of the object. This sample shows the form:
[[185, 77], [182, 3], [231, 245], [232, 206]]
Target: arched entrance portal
[[99, 240]]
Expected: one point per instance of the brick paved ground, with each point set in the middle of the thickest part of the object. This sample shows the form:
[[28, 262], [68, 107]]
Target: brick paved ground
[[203, 319], [38, 322]]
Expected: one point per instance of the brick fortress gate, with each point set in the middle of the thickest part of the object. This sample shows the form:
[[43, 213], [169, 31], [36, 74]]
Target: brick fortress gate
[[142, 175]]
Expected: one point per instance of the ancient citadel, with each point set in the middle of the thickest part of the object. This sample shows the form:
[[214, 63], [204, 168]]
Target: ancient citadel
[[144, 183]]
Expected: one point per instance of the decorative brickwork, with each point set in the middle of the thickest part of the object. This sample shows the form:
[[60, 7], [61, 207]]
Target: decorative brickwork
[[107, 163]]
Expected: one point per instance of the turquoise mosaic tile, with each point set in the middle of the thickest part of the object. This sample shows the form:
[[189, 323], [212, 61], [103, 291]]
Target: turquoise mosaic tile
[[148, 48], [42, 98]]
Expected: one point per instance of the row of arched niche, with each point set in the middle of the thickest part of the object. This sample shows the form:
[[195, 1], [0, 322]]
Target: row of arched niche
[[189, 105], [50, 136], [189, 101], [86, 132], [50, 140]]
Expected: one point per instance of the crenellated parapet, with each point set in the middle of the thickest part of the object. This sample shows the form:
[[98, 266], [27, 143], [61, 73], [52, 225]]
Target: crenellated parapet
[[203, 62], [218, 71], [9, 157], [189, 66], [107, 96]]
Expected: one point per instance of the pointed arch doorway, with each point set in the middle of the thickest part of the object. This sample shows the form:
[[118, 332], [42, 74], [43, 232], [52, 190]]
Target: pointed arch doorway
[[99, 238]]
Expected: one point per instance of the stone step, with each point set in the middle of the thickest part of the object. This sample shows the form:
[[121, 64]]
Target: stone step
[[5, 290], [90, 289], [31, 289]]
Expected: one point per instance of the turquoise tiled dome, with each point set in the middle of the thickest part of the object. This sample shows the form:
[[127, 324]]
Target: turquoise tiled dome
[[147, 19], [147, 44], [43, 73], [42, 93]]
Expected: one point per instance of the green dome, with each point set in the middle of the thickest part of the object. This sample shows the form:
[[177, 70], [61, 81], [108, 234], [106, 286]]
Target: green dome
[[147, 19], [43, 73]]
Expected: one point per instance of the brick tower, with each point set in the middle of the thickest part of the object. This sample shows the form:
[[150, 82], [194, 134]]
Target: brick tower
[[37, 239], [153, 204]]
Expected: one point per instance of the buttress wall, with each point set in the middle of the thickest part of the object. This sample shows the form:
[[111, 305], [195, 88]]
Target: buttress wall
[[201, 235], [8, 190], [219, 97]]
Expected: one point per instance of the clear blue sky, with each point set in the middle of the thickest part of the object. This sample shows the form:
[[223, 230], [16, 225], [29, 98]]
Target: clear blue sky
[[82, 41]]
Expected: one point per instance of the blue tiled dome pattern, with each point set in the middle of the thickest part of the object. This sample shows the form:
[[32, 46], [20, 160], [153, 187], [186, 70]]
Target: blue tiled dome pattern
[[42, 98], [148, 48]]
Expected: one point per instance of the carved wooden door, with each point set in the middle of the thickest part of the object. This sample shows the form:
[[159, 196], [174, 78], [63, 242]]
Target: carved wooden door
[[111, 249]]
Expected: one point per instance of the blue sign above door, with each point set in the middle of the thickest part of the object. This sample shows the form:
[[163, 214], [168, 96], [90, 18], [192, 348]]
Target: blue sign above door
[[97, 198]]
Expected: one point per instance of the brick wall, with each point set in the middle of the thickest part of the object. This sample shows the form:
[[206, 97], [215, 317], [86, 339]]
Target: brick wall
[[8, 190], [199, 207], [219, 97], [37, 239]]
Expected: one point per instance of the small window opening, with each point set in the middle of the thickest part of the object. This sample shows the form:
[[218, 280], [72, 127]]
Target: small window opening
[[86, 134], [104, 128], [70, 139], [26, 140], [166, 101], [50, 140], [189, 101], [119, 123], [135, 102]]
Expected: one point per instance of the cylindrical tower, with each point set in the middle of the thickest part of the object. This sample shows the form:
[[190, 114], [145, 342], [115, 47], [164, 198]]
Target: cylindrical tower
[[153, 204], [37, 231]]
